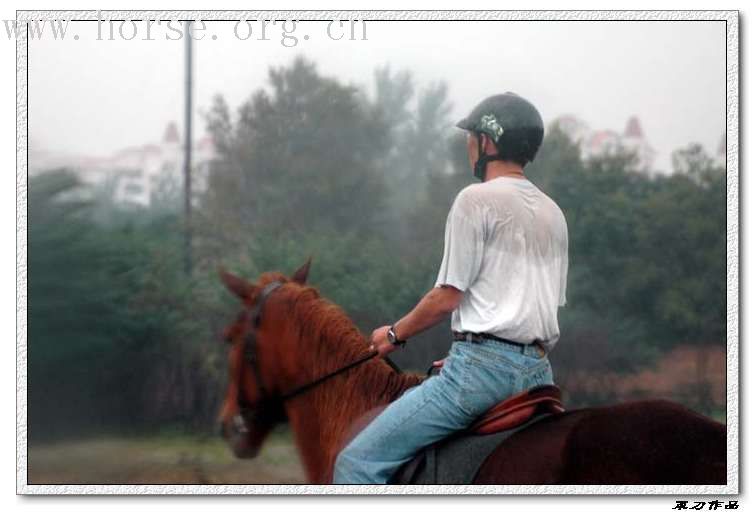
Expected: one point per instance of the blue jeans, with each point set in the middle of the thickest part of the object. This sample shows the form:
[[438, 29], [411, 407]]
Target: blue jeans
[[474, 377]]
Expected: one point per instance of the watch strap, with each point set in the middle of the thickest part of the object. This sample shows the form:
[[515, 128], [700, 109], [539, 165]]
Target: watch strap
[[395, 340]]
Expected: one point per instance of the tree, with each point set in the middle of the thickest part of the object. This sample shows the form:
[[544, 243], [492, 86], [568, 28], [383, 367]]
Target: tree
[[300, 157], [114, 342], [79, 326]]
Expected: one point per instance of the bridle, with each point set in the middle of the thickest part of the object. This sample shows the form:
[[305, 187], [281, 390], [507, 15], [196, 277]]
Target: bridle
[[270, 407]]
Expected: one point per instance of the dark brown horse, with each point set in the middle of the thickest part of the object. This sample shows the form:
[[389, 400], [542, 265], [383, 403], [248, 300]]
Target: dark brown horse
[[300, 338]]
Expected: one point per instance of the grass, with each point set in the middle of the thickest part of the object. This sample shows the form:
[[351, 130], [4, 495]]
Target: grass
[[162, 459]]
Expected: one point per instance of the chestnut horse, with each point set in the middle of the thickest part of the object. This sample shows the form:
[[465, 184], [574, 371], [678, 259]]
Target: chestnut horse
[[300, 357]]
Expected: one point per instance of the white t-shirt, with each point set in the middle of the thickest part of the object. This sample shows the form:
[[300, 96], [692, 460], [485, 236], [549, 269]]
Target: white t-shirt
[[506, 248]]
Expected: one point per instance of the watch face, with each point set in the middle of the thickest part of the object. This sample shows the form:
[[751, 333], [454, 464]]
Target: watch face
[[391, 335]]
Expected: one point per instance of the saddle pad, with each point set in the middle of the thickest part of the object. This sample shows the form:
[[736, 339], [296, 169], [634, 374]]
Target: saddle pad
[[455, 460]]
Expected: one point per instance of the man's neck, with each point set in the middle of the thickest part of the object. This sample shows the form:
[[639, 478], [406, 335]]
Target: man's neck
[[497, 169]]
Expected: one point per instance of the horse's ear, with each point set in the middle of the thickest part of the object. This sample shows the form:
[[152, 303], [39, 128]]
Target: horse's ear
[[235, 285], [300, 276]]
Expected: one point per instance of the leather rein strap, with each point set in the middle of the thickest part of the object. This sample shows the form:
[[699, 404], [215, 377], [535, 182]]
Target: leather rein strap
[[250, 351], [300, 390]]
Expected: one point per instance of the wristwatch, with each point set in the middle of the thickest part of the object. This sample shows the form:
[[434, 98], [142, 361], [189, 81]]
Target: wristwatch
[[393, 339]]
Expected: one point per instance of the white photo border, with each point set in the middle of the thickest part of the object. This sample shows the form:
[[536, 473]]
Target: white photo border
[[731, 18]]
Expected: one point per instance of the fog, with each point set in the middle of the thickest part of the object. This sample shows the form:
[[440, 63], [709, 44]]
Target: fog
[[93, 97], [126, 312]]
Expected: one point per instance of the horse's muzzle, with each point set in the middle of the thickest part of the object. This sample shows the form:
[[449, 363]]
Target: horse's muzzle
[[236, 434]]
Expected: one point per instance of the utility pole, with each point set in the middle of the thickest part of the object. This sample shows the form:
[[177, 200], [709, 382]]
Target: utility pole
[[188, 262]]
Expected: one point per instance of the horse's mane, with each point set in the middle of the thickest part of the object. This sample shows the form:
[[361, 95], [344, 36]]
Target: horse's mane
[[329, 339]]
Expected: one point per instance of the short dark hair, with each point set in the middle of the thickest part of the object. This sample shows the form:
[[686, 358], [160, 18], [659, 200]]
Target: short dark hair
[[516, 155]]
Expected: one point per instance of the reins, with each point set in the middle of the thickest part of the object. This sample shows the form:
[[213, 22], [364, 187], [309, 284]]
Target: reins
[[302, 389]]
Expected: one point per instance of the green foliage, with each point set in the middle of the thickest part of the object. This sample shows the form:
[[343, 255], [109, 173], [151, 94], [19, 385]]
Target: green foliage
[[301, 157], [111, 322], [79, 323]]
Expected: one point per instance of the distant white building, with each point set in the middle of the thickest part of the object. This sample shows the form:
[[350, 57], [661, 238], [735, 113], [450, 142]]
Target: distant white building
[[600, 142], [145, 175]]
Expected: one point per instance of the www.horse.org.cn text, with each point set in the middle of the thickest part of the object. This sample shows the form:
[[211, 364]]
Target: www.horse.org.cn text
[[287, 33]]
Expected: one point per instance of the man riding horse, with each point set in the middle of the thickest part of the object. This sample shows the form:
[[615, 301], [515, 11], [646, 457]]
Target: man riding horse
[[503, 277]]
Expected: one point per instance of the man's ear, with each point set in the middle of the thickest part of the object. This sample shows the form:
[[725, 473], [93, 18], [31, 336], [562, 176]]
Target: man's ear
[[235, 285], [300, 276]]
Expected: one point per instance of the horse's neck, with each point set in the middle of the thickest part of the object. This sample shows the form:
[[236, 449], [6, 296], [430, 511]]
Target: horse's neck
[[323, 418]]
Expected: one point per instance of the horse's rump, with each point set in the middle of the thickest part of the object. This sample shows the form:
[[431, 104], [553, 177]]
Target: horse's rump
[[644, 442]]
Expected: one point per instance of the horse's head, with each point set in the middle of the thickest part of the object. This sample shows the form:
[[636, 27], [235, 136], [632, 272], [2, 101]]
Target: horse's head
[[251, 407]]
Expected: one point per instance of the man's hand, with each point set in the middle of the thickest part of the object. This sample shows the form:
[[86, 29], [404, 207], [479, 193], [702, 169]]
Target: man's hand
[[380, 341]]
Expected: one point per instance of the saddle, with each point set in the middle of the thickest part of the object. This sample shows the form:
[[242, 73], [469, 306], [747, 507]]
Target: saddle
[[456, 459], [518, 409]]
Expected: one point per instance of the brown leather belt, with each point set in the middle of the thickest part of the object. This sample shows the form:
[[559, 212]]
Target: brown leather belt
[[479, 337]]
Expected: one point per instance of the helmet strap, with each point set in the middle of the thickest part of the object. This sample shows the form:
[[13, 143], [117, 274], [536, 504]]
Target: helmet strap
[[482, 160]]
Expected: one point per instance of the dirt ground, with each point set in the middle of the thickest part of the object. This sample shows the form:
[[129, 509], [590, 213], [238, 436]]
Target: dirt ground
[[161, 460]]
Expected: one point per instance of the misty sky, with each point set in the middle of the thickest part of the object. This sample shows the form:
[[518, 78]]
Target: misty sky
[[95, 97]]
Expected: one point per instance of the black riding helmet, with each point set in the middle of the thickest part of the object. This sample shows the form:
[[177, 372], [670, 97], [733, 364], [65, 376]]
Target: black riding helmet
[[512, 123]]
